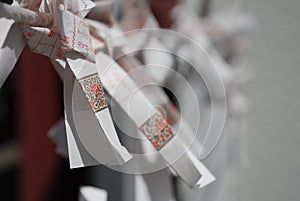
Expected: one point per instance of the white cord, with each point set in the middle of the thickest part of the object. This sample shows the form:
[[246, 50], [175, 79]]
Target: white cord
[[23, 15]]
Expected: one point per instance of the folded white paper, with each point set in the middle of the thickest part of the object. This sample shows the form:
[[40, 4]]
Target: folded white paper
[[89, 120], [158, 97], [90, 193], [92, 138], [91, 135], [151, 123]]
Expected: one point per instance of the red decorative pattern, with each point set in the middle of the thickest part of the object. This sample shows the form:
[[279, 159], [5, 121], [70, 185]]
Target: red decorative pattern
[[157, 130], [93, 90]]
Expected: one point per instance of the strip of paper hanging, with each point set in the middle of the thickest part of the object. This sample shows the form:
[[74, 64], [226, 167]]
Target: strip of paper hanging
[[93, 89], [157, 130]]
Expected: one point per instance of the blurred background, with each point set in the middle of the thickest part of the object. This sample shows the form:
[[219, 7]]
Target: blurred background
[[273, 137], [30, 104]]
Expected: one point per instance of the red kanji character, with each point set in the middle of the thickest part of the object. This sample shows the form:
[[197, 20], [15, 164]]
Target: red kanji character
[[162, 137], [155, 144], [169, 131], [95, 89]]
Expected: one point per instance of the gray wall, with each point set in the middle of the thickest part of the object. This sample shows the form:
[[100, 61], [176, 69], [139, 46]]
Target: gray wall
[[273, 171]]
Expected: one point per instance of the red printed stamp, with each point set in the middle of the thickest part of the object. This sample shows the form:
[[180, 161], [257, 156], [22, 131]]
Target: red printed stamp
[[93, 89], [157, 130]]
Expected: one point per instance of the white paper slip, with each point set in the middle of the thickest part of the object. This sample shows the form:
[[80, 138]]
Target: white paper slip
[[159, 98], [90, 193], [91, 135], [150, 122], [90, 128]]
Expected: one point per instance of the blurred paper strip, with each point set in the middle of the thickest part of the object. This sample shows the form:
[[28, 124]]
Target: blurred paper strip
[[150, 122], [162, 190], [58, 134], [89, 193], [156, 95]]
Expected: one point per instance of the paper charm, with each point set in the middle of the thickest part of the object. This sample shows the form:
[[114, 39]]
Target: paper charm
[[151, 124], [157, 96], [137, 17], [92, 138], [112, 76]]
